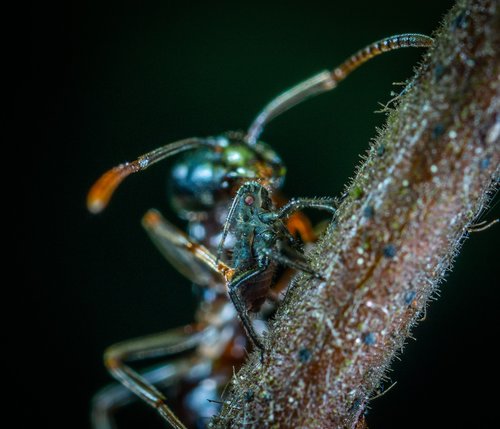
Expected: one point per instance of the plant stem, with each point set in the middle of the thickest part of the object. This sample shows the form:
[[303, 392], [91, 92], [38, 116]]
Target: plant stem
[[427, 176]]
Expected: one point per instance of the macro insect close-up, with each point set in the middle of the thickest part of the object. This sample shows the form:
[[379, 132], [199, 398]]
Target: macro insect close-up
[[237, 167], [270, 290]]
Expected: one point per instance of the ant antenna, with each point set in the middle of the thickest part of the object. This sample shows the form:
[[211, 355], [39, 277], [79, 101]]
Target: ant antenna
[[327, 80], [101, 191]]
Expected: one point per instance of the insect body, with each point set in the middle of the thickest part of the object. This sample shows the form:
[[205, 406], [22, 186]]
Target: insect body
[[211, 347], [233, 246], [266, 165], [263, 243]]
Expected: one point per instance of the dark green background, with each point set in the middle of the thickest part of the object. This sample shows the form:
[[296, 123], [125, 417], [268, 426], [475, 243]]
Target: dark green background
[[112, 81]]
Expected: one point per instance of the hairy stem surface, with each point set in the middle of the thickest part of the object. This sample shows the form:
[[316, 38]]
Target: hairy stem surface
[[426, 177]]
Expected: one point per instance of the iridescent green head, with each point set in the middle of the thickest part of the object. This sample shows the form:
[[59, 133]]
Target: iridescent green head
[[212, 174]]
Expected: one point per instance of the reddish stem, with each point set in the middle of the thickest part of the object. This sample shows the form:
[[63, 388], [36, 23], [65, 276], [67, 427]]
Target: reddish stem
[[425, 179]]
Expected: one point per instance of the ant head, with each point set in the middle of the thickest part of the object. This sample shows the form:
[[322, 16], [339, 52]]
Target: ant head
[[255, 196], [212, 174], [201, 180]]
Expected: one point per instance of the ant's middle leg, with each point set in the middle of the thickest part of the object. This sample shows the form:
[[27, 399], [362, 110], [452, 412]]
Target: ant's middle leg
[[295, 204], [295, 260]]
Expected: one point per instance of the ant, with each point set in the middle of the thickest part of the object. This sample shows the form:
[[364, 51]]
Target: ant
[[263, 243], [227, 188]]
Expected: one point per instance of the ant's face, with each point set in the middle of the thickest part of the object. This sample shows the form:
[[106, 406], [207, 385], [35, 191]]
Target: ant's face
[[211, 175], [256, 197]]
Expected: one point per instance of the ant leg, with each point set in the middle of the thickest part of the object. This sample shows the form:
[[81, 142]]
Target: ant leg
[[114, 396], [233, 287], [297, 223], [191, 259], [297, 262], [328, 204], [157, 345], [105, 401]]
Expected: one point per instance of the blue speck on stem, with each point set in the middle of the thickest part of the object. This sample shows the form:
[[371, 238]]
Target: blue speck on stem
[[438, 131], [304, 355], [368, 212], [370, 339], [249, 395], [389, 251], [460, 21], [485, 163], [438, 71], [410, 296]]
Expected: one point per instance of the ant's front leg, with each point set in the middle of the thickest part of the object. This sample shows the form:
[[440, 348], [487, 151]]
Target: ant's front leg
[[295, 204]]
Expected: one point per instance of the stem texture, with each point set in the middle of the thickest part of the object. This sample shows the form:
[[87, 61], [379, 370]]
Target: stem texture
[[427, 176]]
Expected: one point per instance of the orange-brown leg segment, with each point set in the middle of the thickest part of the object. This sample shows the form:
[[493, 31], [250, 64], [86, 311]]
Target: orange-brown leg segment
[[193, 260], [152, 346], [299, 225], [102, 190], [107, 401]]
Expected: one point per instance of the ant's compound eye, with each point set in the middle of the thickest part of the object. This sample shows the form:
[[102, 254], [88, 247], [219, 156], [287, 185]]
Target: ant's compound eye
[[249, 200]]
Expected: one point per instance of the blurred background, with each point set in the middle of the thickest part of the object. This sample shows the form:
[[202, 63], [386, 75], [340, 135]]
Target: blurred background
[[114, 80]]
